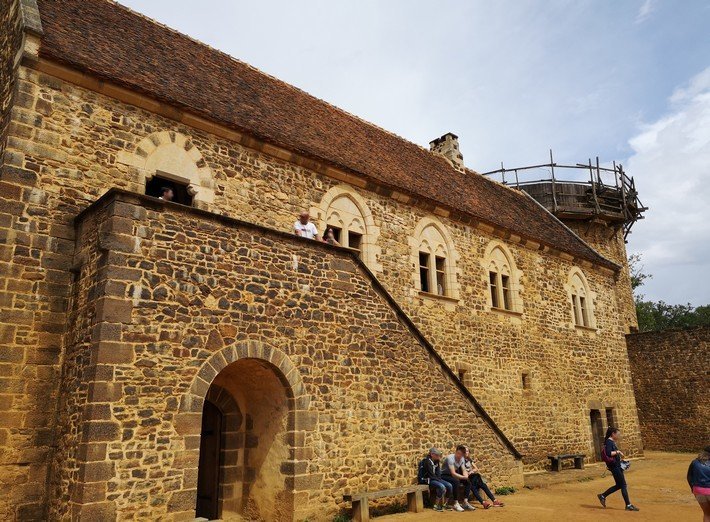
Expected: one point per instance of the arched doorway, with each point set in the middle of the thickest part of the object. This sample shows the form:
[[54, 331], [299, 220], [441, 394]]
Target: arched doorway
[[244, 444]]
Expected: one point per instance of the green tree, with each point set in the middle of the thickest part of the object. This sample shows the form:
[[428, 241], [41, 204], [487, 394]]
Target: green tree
[[658, 315]]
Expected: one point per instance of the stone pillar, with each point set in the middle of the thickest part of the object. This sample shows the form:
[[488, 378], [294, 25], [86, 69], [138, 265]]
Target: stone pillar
[[98, 427]]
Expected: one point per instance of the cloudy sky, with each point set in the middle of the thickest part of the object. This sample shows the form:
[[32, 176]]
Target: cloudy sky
[[625, 80]]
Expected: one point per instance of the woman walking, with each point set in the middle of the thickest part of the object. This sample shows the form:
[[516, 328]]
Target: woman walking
[[699, 480], [612, 456]]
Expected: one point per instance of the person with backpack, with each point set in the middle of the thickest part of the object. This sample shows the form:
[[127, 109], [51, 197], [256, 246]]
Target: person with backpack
[[699, 481], [430, 473], [611, 455]]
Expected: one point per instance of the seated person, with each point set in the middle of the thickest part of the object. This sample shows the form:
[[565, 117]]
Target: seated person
[[454, 472], [430, 473], [474, 477], [304, 228]]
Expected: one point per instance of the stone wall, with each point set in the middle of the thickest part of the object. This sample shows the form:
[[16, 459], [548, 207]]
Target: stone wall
[[609, 241], [167, 296], [672, 382], [10, 44], [68, 145]]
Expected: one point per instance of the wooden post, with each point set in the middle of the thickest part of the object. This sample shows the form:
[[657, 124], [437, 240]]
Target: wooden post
[[415, 502], [554, 191], [361, 511], [579, 462]]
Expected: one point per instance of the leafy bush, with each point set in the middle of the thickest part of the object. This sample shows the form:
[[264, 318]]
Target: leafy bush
[[505, 490]]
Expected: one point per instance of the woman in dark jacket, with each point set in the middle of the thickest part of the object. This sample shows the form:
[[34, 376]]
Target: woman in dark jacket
[[699, 481], [613, 454]]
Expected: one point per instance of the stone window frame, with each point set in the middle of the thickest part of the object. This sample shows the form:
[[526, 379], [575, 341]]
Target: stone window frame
[[581, 313], [443, 248], [369, 249], [173, 156], [498, 259], [464, 372]]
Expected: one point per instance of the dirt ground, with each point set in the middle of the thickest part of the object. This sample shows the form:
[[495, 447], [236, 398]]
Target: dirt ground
[[657, 486]]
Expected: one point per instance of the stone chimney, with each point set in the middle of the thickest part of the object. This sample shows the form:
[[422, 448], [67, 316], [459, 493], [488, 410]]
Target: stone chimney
[[448, 146]]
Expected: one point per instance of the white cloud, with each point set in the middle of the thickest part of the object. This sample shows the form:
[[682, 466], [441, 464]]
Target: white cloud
[[645, 11], [671, 163]]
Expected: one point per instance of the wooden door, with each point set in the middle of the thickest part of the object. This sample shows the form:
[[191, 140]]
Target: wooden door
[[595, 417], [208, 471]]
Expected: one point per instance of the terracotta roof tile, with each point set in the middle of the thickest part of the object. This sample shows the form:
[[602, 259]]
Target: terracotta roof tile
[[116, 44]]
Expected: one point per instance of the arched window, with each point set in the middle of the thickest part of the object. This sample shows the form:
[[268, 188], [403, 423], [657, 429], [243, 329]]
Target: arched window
[[346, 211], [347, 222], [170, 159], [580, 299], [435, 259], [503, 278]]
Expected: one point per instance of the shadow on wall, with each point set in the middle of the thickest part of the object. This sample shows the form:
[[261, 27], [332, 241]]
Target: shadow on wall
[[244, 446]]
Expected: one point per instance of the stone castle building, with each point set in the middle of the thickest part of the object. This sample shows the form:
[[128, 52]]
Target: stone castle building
[[172, 360]]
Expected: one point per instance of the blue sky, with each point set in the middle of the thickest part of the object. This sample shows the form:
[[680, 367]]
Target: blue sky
[[625, 80]]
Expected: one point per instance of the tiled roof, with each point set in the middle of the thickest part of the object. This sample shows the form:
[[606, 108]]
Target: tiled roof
[[112, 42]]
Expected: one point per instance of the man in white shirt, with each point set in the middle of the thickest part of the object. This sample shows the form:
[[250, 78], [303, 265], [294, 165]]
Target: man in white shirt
[[304, 228]]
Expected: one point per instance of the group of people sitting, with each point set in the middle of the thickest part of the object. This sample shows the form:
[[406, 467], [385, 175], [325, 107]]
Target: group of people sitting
[[446, 478]]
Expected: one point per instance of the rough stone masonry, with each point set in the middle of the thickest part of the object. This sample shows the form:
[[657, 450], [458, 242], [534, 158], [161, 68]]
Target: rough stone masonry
[[129, 325]]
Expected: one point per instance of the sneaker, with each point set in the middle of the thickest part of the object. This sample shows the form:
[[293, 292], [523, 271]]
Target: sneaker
[[468, 507], [457, 507], [498, 503], [448, 507], [438, 507], [487, 505], [602, 500], [631, 507]]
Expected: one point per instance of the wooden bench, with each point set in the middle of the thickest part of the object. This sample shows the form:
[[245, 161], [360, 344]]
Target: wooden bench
[[361, 509], [556, 461]]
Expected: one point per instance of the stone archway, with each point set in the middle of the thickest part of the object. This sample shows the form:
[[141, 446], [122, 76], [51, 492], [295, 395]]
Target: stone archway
[[173, 156], [260, 396]]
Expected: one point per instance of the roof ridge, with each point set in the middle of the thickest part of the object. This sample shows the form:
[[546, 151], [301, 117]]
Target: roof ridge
[[271, 76]]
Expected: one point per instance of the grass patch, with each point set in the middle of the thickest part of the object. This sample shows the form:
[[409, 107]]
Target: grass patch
[[341, 517], [505, 490]]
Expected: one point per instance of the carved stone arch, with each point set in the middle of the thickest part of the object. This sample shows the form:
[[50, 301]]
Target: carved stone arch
[[192, 401], [370, 231], [577, 284], [498, 258], [216, 382], [173, 156], [445, 246]]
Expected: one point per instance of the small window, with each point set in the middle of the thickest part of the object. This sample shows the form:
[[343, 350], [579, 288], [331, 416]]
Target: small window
[[154, 187], [583, 306], [610, 417], [525, 378], [575, 308], [355, 241], [462, 375], [424, 271], [440, 275], [505, 285], [493, 278], [337, 233]]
